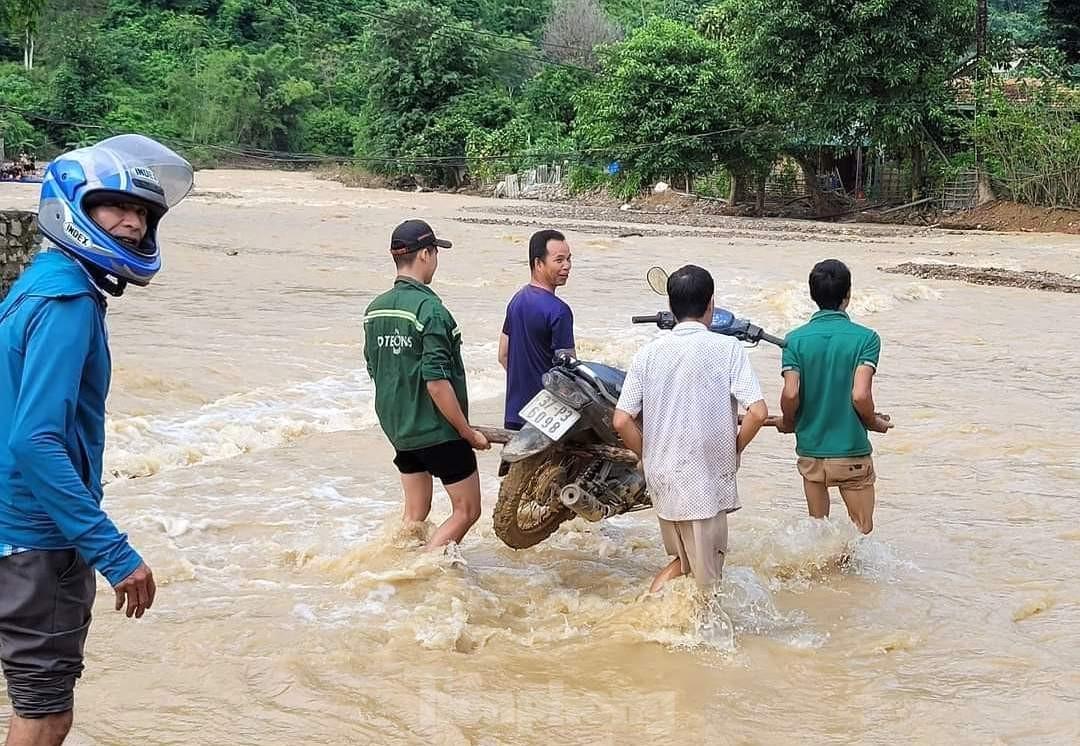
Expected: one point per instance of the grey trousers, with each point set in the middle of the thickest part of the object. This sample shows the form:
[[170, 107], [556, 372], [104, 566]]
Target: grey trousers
[[45, 602]]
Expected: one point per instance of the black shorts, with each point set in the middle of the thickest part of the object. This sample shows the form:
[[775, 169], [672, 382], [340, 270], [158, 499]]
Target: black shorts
[[45, 603], [451, 462]]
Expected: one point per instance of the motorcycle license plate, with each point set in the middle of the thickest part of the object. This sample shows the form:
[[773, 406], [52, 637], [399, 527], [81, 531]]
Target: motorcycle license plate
[[549, 415]]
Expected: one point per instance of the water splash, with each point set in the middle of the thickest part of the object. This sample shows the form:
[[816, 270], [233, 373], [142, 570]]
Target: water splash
[[440, 602], [617, 347], [788, 305], [237, 424], [265, 417]]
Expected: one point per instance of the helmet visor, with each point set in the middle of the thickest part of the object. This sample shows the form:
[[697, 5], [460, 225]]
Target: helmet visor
[[124, 161]]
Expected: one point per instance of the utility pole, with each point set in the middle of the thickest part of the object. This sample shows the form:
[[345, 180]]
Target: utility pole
[[984, 190], [980, 31]]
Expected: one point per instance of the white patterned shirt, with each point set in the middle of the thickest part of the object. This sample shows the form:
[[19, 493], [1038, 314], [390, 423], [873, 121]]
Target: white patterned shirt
[[686, 385]]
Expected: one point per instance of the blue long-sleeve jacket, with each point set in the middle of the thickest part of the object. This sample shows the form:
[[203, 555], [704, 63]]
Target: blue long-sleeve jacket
[[54, 376]]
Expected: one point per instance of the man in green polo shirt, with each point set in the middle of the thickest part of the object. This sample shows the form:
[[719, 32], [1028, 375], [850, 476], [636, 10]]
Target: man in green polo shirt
[[828, 400], [412, 347]]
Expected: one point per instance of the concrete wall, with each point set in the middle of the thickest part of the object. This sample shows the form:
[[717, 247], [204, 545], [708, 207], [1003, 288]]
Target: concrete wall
[[18, 244]]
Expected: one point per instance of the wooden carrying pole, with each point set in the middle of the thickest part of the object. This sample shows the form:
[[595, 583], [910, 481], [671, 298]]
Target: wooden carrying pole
[[498, 435], [501, 436]]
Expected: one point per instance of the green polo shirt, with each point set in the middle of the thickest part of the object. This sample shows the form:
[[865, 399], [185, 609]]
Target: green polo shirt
[[409, 339], [826, 351]]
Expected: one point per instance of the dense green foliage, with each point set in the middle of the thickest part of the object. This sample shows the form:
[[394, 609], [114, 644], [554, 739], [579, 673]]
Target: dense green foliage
[[848, 67], [666, 104], [1031, 140], [1020, 21], [1062, 27], [450, 91]]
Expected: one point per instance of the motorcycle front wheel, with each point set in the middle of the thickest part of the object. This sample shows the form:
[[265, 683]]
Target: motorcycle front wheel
[[528, 510]]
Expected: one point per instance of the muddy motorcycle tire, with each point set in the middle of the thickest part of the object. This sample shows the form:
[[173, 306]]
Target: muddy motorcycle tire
[[525, 482]]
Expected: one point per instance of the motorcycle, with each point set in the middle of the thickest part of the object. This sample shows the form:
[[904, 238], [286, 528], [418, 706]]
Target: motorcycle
[[568, 460]]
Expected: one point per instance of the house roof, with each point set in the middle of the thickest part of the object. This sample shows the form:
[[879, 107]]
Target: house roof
[[1017, 90]]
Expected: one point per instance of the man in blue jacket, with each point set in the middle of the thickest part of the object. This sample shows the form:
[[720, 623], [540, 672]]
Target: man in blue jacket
[[99, 212]]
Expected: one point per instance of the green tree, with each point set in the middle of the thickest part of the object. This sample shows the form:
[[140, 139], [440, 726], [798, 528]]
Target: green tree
[[633, 14], [524, 17], [1031, 138], [259, 21], [327, 131], [21, 18], [426, 73], [549, 96], [1063, 27], [78, 86], [447, 135], [666, 105], [848, 69], [240, 98], [1019, 21], [19, 91], [686, 11]]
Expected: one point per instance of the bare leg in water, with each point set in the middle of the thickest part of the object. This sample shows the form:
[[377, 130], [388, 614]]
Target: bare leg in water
[[817, 498], [860, 506], [417, 488], [50, 730], [674, 569], [859, 502], [465, 503]]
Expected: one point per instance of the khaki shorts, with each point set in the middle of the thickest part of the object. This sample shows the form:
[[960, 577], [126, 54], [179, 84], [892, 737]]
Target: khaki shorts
[[700, 546], [846, 473]]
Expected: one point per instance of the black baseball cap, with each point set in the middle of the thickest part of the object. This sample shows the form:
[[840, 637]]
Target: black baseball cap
[[413, 235]]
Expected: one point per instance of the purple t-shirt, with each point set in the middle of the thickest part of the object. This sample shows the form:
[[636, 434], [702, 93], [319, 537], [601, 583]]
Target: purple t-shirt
[[538, 325]]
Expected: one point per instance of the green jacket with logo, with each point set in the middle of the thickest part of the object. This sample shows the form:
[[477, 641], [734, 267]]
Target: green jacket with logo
[[409, 339]]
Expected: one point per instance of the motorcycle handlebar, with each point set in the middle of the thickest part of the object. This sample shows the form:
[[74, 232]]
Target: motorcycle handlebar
[[774, 340], [728, 325]]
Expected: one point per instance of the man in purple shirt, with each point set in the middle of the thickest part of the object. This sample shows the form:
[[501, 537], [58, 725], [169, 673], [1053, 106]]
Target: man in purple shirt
[[537, 325]]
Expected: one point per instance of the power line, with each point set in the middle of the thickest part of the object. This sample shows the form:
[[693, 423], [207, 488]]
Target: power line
[[428, 160], [51, 120]]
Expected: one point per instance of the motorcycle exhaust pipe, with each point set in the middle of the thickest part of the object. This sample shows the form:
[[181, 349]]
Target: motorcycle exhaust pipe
[[581, 502]]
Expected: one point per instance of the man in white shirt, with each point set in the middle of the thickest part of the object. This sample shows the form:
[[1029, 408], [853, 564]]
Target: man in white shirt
[[686, 386]]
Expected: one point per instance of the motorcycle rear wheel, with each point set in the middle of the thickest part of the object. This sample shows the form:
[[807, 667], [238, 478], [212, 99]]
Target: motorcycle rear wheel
[[528, 510]]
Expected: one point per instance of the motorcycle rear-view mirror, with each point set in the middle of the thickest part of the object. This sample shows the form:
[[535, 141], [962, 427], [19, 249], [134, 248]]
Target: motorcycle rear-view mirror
[[657, 279]]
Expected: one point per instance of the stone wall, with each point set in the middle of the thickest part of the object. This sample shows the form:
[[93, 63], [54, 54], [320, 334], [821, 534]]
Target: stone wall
[[18, 244]]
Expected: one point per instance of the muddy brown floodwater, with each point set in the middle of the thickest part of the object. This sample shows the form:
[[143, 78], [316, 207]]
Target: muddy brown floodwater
[[293, 610]]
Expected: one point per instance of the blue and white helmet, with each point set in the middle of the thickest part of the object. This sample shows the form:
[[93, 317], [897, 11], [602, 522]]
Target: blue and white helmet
[[126, 168]]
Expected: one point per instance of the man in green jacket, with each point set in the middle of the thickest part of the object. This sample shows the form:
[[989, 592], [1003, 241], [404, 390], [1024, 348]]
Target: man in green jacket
[[412, 347]]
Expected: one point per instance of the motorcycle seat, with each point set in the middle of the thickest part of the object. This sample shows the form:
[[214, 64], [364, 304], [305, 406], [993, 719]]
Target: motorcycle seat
[[610, 378]]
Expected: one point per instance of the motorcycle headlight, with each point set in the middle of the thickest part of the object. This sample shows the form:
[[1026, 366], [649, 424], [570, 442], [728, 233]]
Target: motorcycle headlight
[[565, 388]]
